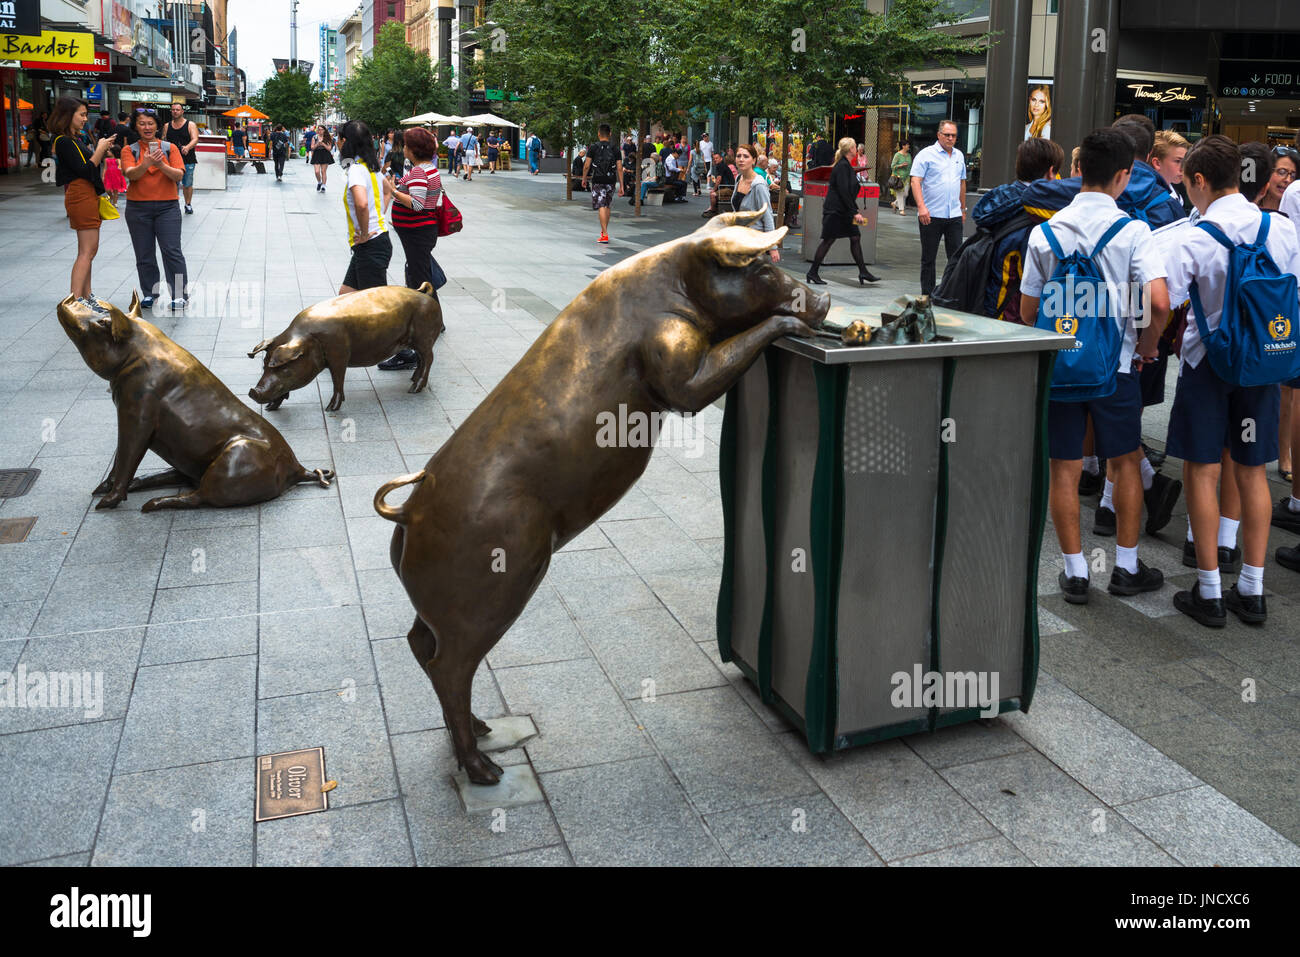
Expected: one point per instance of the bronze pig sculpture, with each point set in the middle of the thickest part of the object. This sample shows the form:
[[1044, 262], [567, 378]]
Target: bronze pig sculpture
[[669, 329], [356, 329], [171, 404]]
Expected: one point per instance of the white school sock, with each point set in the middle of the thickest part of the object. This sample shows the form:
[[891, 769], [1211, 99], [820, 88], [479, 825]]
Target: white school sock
[[1250, 581], [1294, 504], [1228, 532], [1209, 584], [1090, 464], [1189, 530], [1148, 473], [1075, 566], [1106, 493], [1126, 558]]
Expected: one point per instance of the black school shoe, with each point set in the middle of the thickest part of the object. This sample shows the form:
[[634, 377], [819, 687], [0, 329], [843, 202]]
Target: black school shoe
[[405, 359], [1073, 590], [1229, 558], [1090, 484], [1249, 608], [1154, 456], [1104, 522], [1283, 517], [1208, 611], [1124, 582], [1288, 557], [1161, 498]]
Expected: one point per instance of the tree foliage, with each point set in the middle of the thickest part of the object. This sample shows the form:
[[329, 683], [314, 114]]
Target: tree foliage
[[394, 82], [290, 98]]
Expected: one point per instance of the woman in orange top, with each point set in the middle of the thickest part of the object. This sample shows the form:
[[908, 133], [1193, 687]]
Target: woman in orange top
[[153, 167]]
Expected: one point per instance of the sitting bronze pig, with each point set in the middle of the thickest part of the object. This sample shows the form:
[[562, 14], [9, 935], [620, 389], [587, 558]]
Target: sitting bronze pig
[[357, 329], [171, 404], [671, 328]]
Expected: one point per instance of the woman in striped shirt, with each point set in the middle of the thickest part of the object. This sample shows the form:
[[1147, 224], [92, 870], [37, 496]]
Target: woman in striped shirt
[[415, 218]]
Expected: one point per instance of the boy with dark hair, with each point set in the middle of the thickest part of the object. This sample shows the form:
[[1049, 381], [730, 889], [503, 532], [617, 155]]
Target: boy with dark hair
[[1209, 413], [1129, 257]]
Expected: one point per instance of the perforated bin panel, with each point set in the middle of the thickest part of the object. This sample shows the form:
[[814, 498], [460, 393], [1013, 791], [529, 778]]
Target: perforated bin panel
[[990, 471], [891, 478], [795, 452], [750, 579]]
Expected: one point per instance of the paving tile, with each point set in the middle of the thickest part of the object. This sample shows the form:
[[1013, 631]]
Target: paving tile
[[628, 813], [592, 599], [555, 856], [647, 652], [210, 556], [53, 788], [972, 741], [203, 602], [72, 679], [307, 578], [994, 852], [200, 815], [189, 713], [204, 638], [410, 703], [318, 649], [800, 831], [1202, 828], [368, 835], [86, 597], [1049, 817], [302, 523]]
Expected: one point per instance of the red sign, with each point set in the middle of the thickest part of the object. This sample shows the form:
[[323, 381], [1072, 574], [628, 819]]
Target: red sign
[[101, 65]]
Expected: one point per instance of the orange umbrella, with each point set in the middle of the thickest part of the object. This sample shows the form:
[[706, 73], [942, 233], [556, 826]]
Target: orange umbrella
[[22, 104], [246, 113]]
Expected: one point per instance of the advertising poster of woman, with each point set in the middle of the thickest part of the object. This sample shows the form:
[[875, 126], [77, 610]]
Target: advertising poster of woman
[[1040, 112]]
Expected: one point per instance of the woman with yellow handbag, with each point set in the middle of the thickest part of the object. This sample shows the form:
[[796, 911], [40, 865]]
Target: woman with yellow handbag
[[83, 187]]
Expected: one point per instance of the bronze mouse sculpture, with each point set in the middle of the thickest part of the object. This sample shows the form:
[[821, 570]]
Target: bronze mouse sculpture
[[669, 329], [356, 329], [171, 404]]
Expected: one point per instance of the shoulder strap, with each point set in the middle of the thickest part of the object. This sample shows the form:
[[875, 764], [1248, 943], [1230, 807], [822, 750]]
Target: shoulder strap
[[1263, 229], [1052, 242], [1217, 233], [1110, 234]]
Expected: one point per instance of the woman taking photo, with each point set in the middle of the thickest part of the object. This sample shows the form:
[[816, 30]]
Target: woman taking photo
[[153, 167], [752, 193], [414, 202], [322, 156], [79, 175], [840, 215], [367, 231]]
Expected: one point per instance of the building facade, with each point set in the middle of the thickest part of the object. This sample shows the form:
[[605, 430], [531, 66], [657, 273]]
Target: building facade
[[374, 14]]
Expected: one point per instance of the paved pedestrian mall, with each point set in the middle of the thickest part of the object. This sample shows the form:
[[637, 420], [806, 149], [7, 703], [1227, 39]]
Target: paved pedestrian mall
[[225, 634]]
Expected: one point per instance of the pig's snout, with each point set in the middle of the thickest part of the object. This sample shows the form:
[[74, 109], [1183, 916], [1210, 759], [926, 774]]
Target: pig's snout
[[265, 390], [816, 306]]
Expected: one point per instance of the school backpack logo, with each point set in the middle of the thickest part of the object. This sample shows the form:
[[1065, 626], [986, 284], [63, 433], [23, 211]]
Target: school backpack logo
[[1255, 343], [1076, 301]]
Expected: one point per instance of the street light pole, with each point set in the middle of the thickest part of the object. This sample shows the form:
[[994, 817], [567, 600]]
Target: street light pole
[[293, 35]]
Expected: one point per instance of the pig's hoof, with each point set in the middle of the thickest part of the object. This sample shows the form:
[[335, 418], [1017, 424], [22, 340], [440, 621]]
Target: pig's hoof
[[414, 388], [481, 728], [481, 769], [276, 403], [335, 403], [109, 501], [104, 487]]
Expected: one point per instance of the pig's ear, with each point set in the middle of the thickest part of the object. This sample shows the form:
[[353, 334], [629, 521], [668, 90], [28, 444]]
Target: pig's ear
[[260, 347], [738, 246], [286, 353], [134, 310], [723, 220], [122, 324]]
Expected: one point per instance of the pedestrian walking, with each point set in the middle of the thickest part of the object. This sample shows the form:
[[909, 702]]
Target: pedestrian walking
[[699, 170], [239, 141], [534, 149], [415, 199], [469, 143], [79, 175], [840, 215], [939, 184], [153, 167], [185, 135], [372, 249], [601, 168], [493, 142], [753, 193], [452, 142], [899, 168], [322, 157], [44, 138], [279, 150]]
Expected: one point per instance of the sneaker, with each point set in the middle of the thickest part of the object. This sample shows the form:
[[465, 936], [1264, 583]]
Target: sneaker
[[146, 302], [604, 238], [1249, 608], [1283, 517], [1288, 557], [1104, 522], [179, 304], [1229, 558], [405, 359], [189, 208], [1160, 499], [1073, 590], [1124, 582], [1209, 612]]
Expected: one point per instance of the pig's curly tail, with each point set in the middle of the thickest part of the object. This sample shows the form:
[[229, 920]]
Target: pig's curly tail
[[396, 513]]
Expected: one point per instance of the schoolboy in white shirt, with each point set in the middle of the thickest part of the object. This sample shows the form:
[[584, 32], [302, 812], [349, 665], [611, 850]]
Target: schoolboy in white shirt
[[1105, 161], [1208, 413]]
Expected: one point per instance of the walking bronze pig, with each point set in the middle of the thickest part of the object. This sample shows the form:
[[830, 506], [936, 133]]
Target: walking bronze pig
[[171, 404], [669, 329], [356, 329]]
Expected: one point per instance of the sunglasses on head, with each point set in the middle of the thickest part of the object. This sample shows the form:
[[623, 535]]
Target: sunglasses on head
[[145, 109], [1286, 151]]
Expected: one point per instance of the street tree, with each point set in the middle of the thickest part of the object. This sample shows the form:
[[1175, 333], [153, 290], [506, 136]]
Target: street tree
[[394, 82], [290, 98]]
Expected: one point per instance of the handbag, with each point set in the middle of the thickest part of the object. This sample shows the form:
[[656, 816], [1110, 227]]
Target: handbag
[[449, 217], [106, 209], [895, 182]]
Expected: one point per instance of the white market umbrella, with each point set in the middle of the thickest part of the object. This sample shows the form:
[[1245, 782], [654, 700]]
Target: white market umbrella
[[489, 119], [422, 119]]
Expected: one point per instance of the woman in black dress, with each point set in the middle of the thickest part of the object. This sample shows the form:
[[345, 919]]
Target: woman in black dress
[[322, 156], [841, 216]]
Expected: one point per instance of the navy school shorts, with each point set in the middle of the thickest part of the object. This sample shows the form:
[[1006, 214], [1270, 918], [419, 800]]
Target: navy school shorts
[[1209, 415], [1116, 422]]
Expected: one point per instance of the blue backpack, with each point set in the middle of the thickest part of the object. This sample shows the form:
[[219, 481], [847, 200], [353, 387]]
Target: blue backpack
[[1255, 343], [1076, 302]]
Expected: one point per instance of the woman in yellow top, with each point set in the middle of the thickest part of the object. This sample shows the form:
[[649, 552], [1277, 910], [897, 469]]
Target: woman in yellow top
[[152, 168]]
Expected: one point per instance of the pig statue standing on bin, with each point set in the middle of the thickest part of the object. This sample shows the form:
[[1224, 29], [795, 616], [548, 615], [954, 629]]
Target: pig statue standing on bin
[[356, 329], [171, 404], [669, 329]]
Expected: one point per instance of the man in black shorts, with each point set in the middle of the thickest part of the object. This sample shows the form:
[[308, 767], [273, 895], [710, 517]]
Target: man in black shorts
[[601, 167]]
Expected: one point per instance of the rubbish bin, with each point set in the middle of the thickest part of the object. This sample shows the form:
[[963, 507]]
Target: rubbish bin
[[883, 511], [815, 182], [210, 162]]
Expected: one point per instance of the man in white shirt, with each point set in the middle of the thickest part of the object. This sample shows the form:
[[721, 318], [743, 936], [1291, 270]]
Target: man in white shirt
[[706, 151], [1208, 413], [939, 184], [452, 142], [1128, 260]]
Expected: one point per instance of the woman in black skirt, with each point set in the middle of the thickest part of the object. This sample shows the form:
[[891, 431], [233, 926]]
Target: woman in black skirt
[[841, 216], [322, 156]]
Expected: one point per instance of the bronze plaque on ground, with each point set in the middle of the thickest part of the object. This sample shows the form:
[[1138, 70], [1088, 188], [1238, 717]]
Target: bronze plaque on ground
[[290, 783], [14, 530]]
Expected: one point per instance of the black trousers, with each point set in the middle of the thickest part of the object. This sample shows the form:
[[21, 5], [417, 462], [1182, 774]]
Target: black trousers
[[417, 244], [278, 158], [947, 229], [369, 265]]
